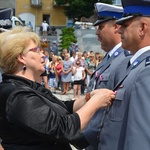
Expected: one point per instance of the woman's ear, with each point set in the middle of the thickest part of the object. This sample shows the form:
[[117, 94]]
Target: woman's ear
[[20, 58]]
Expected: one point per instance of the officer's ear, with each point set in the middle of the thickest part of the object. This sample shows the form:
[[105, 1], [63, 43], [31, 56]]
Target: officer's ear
[[144, 27], [116, 27]]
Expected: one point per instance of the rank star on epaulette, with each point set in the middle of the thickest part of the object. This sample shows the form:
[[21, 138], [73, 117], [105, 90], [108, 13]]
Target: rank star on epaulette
[[147, 62]]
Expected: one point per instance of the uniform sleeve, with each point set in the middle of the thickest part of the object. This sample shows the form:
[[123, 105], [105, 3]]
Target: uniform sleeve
[[27, 110], [137, 136]]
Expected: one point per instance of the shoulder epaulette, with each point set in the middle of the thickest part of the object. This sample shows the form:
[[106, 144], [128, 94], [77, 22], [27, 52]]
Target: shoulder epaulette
[[147, 62], [127, 53]]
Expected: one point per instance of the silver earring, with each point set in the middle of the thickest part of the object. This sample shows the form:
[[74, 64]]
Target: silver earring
[[24, 68]]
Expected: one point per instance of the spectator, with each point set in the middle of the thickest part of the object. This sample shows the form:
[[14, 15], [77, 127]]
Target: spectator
[[66, 73], [54, 48], [91, 65], [52, 77], [64, 52], [74, 57], [71, 48], [79, 75], [83, 64], [76, 47], [51, 54], [44, 76], [59, 72], [45, 27], [85, 56], [98, 58]]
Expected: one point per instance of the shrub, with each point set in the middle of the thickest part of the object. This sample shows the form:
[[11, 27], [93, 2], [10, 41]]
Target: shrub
[[67, 37]]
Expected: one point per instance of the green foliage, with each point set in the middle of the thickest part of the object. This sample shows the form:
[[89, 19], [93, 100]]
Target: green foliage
[[67, 37], [76, 9]]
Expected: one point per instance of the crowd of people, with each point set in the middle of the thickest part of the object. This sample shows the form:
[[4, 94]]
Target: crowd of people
[[70, 69]]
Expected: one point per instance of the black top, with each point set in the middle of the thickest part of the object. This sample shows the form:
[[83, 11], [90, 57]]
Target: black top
[[31, 117]]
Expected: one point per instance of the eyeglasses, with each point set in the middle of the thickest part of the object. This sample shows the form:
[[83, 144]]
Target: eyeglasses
[[36, 49]]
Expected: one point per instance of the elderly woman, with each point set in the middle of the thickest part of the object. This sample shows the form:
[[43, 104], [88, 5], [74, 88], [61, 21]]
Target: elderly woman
[[31, 117]]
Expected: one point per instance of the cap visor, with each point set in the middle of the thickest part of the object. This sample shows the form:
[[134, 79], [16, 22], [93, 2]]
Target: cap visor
[[98, 22], [120, 21]]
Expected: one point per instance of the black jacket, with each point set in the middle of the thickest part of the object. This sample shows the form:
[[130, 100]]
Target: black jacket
[[32, 118]]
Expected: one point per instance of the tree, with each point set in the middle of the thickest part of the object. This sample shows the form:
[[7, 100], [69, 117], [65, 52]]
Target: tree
[[67, 37], [76, 9]]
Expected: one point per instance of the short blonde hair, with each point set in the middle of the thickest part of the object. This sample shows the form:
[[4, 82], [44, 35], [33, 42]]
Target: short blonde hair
[[13, 43], [59, 58]]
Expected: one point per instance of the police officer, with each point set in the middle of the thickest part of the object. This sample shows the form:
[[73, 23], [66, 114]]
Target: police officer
[[135, 26], [104, 75], [126, 123]]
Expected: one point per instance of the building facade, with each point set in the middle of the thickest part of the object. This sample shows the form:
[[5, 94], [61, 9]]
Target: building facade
[[35, 11]]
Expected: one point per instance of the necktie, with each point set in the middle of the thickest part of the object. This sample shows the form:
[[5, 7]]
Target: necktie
[[106, 57]]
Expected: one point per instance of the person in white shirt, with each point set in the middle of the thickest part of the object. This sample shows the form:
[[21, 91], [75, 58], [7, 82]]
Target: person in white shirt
[[79, 75], [44, 28], [74, 56]]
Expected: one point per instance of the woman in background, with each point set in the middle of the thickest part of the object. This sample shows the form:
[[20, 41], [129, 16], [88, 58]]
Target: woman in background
[[59, 72], [79, 75], [98, 58], [91, 65], [44, 76], [52, 77], [66, 73]]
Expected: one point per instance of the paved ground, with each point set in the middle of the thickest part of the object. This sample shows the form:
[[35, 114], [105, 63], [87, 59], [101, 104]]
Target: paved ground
[[64, 97]]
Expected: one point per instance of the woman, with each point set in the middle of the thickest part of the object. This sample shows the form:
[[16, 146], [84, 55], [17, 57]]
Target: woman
[[66, 73], [31, 117], [59, 72], [79, 75], [91, 65], [83, 64], [44, 76], [52, 82], [98, 58]]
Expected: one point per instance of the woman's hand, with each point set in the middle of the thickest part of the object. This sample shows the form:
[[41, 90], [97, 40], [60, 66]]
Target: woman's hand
[[103, 96], [99, 98]]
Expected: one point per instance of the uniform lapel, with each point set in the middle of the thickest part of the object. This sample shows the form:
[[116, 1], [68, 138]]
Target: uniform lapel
[[108, 63], [129, 68]]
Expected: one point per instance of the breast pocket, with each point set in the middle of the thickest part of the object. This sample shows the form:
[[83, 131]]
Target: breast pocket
[[104, 77], [103, 80], [117, 110]]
